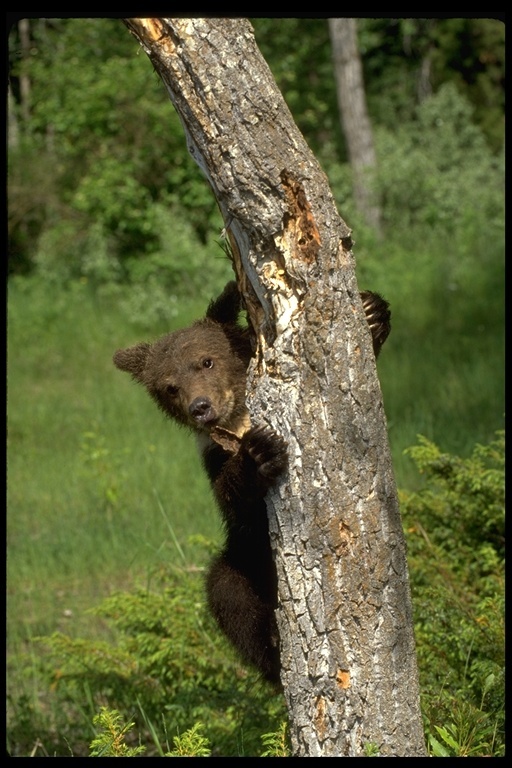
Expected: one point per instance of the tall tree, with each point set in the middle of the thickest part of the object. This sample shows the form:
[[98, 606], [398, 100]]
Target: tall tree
[[354, 117], [345, 621], [23, 41]]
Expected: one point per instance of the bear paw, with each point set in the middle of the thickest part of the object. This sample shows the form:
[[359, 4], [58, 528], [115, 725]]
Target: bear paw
[[378, 318], [268, 450]]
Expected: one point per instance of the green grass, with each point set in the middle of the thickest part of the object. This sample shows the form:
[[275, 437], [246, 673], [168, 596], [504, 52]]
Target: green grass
[[442, 368]]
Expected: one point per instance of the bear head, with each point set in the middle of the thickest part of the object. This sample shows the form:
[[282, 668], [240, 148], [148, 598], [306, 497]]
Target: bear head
[[197, 375]]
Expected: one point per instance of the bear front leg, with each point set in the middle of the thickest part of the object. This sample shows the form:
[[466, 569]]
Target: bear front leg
[[241, 481], [244, 617]]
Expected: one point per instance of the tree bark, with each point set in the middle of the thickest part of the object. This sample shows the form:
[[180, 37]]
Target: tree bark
[[348, 655], [355, 122]]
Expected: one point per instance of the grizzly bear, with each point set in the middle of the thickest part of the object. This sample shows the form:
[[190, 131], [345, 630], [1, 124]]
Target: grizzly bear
[[197, 376]]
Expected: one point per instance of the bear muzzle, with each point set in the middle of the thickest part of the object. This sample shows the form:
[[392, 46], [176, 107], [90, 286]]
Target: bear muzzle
[[202, 410]]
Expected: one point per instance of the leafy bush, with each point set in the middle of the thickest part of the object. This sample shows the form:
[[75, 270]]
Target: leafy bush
[[168, 670], [96, 162], [147, 287], [438, 170], [456, 536], [175, 268]]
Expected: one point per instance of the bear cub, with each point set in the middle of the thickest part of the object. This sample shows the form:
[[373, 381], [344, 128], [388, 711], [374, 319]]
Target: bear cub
[[197, 376]]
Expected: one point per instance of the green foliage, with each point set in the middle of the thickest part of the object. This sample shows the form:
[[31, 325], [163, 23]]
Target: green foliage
[[447, 341], [175, 268], [93, 181], [438, 168], [467, 492], [99, 169], [169, 659], [472, 52], [110, 740], [471, 734], [276, 744], [406, 60], [191, 744], [371, 750], [441, 267], [456, 536]]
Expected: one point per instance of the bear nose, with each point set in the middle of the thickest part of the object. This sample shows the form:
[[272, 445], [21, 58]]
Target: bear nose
[[202, 410]]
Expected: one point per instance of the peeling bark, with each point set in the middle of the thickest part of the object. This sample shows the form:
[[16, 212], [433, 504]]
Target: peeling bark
[[348, 655]]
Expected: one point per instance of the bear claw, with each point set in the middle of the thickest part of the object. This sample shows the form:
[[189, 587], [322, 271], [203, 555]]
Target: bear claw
[[268, 450]]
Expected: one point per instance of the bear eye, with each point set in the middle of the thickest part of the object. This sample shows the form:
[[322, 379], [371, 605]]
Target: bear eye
[[171, 390], [207, 362]]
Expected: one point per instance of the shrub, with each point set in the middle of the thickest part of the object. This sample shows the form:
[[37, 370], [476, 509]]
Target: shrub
[[437, 169], [167, 670], [456, 535]]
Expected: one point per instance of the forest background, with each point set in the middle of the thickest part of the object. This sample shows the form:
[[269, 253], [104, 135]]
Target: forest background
[[114, 236]]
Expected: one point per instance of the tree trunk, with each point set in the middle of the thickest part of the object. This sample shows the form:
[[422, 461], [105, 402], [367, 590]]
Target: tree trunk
[[13, 132], [348, 656], [355, 122], [24, 33]]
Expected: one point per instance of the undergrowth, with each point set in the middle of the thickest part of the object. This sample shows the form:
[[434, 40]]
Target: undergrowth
[[166, 671]]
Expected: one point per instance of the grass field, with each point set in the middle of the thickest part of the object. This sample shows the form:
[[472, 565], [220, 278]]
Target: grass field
[[101, 488]]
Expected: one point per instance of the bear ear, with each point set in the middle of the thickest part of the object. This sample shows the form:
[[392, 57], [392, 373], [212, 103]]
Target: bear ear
[[226, 308], [133, 359]]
